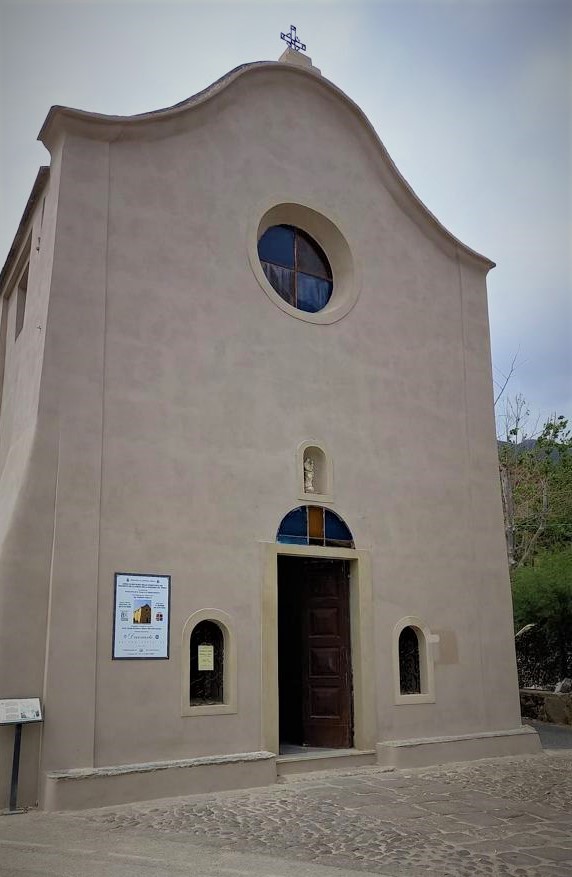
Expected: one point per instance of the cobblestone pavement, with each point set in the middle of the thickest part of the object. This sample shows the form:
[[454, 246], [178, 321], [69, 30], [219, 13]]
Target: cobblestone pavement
[[509, 817]]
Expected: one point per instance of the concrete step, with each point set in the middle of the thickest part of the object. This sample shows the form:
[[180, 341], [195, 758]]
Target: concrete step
[[307, 760]]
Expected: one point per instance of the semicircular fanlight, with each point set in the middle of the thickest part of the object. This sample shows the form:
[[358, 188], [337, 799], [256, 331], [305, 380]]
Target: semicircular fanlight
[[314, 525]]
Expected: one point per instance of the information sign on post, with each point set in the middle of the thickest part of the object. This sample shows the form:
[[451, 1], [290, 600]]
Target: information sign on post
[[19, 710], [141, 616]]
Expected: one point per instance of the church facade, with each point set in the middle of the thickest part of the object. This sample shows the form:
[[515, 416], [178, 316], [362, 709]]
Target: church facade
[[250, 519]]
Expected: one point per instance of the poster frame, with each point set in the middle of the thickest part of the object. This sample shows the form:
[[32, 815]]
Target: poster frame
[[141, 575]]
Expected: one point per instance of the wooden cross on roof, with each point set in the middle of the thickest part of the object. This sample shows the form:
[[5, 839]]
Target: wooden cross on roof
[[292, 40]]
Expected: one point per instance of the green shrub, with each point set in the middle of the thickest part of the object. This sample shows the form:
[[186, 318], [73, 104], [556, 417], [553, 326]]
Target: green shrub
[[542, 595]]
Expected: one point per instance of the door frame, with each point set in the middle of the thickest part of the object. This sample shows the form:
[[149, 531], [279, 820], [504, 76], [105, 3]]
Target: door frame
[[361, 637]]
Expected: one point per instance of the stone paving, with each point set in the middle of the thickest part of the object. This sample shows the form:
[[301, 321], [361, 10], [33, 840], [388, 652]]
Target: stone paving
[[510, 817]]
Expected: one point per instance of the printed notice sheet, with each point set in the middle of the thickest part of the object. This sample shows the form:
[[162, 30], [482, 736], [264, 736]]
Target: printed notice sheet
[[205, 657], [141, 616], [17, 710]]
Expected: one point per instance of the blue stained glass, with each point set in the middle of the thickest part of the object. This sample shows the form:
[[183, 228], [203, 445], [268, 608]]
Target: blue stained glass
[[294, 527], [310, 258], [336, 530], [281, 279], [312, 293], [294, 530], [277, 245]]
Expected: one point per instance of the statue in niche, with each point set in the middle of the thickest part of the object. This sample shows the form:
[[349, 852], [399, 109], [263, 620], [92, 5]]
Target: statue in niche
[[308, 475]]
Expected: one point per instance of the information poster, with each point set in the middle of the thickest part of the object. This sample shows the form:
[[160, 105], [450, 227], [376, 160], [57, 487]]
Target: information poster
[[141, 616], [205, 657], [19, 710]]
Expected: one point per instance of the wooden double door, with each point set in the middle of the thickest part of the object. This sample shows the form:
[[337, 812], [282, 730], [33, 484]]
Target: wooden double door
[[314, 656]]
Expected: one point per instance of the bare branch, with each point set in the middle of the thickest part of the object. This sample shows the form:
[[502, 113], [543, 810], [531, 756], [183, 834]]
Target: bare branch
[[541, 525], [507, 494], [507, 377]]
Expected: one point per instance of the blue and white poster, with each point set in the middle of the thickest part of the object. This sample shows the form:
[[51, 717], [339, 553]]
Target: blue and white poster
[[141, 616]]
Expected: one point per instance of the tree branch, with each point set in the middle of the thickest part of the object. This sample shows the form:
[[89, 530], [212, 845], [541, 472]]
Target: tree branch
[[541, 525], [507, 378]]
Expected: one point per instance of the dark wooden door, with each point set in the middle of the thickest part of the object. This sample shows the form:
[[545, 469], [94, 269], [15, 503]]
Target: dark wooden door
[[326, 670]]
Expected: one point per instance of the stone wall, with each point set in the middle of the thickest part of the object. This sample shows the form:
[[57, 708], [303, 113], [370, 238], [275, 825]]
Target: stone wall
[[546, 706], [540, 658]]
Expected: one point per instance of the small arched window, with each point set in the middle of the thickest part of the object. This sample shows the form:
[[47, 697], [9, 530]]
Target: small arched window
[[409, 663], [413, 661], [314, 525], [209, 664], [206, 664]]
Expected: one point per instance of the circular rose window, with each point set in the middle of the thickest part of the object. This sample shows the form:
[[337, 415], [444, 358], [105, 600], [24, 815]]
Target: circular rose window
[[296, 267]]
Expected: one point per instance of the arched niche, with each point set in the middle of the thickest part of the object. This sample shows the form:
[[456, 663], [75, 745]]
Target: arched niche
[[314, 472], [413, 662], [207, 660], [200, 695]]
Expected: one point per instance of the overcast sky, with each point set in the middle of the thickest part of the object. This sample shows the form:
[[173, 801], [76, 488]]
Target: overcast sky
[[472, 98]]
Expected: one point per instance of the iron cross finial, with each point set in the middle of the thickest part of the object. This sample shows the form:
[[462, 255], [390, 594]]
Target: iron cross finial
[[292, 40]]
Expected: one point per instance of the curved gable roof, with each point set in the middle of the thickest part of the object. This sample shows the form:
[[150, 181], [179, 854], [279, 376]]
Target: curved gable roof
[[99, 126]]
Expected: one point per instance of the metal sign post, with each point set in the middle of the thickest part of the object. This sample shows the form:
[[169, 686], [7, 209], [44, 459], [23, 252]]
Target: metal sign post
[[15, 769]]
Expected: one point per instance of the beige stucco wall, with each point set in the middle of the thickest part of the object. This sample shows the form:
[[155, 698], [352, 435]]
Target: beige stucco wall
[[175, 395], [28, 460]]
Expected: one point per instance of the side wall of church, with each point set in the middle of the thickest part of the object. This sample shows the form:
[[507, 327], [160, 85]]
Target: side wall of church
[[28, 471]]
